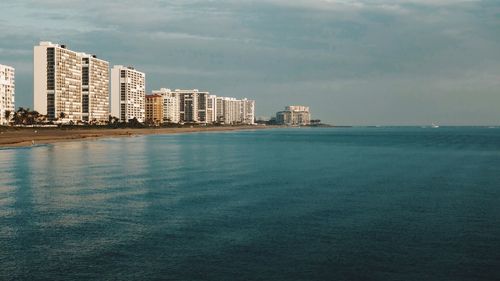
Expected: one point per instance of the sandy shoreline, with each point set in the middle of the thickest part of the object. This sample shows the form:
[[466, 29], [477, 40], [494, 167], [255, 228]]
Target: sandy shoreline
[[18, 137]]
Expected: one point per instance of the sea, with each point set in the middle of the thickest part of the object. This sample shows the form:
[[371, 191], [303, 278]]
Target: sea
[[395, 203]]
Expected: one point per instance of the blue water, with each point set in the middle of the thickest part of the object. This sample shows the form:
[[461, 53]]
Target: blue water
[[284, 204]]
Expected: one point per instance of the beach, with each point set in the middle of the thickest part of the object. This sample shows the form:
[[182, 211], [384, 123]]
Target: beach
[[16, 137]]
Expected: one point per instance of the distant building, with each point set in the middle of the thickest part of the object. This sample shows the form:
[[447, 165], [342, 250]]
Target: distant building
[[7, 92], [248, 111], [232, 111], [194, 106], [70, 85], [154, 109], [211, 109], [170, 105], [294, 115], [95, 89], [128, 93]]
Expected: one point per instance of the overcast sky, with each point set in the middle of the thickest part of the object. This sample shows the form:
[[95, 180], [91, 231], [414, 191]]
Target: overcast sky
[[354, 62]]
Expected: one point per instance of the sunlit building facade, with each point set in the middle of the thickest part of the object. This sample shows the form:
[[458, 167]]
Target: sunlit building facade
[[128, 93], [154, 109], [57, 82], [7, 93], [95, 89]]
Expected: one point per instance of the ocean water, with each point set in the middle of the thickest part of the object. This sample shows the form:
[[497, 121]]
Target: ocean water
[[281, 204]]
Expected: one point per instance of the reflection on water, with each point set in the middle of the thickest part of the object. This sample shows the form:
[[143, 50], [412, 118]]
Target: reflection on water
[[371, 204]]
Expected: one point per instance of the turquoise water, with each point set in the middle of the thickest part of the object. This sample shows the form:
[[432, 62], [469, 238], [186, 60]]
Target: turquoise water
[[285, 204]]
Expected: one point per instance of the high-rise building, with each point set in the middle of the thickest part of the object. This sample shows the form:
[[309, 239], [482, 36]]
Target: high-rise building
[[128, 93], [154, 109], [70, 85], [211, 109], [192, 106], [7, 93], [247, 111], [294, 115], [95, 89], [57, 82], [234, 111], [170, 105]]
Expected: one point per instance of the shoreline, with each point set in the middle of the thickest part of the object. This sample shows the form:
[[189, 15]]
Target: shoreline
[[24, 137]]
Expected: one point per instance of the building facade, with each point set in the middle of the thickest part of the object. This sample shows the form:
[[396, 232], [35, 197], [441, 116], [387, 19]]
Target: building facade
[[294, 115], [211, 109], [57, 82], [247, 111], [231, 111], [70, 85], [95, 89], [171, 105], [128, 93], [154, 109], [7, 93]]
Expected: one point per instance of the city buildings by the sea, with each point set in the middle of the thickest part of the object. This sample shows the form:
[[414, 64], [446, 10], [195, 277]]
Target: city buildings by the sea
[[294, 115], [73, 87], [7, 93]]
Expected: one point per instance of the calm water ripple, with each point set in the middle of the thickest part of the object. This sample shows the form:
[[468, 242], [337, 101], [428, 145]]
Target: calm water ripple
[[285, 204]]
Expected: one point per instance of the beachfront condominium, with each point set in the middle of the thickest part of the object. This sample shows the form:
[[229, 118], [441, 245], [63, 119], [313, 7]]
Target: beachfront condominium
[[294, 115], [192, 106], [95, 89], [70, 85], [57, 85], [230, 111], [154, 109], [211, 109], [128, 93], [171, 105], [247, 111], [7, 93], [186, 106]]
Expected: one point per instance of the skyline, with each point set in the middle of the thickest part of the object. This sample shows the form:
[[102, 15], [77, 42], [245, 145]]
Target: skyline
[[353, 62]]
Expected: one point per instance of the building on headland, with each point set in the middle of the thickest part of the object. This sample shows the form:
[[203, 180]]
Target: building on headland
[[128, 93], [70, 85], [294, 115], [95, 89], [7, 93], [154, 109]]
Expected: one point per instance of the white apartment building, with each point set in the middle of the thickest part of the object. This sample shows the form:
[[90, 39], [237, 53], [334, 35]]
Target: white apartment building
[[95, 89], [70, 85], [57, 85], [7, 92], [247, 111], [192, 106], [171, 105], [128, 93], [234, 111], [211, 109]]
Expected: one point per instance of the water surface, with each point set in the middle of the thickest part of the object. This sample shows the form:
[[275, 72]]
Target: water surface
[[285, 204]]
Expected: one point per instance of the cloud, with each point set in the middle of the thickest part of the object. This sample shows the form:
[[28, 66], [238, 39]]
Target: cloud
[[321, 52]]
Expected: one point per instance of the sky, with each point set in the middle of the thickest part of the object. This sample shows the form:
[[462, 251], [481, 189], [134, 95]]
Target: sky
[[354, 62]]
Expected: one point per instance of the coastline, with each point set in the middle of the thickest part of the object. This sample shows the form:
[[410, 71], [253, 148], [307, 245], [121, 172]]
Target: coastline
[[22, 137]]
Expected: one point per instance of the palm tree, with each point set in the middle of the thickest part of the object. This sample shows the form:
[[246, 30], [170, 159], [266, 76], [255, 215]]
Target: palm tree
[[7, 115]]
